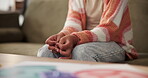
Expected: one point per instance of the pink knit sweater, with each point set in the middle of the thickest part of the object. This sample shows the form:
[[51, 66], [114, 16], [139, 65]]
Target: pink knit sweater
[[115, 24]]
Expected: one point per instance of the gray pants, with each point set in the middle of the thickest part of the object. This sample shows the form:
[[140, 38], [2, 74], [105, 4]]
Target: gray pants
[[94, 51]]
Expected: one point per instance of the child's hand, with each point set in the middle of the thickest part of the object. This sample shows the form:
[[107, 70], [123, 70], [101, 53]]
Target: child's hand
[[66, 45], [52, 40]]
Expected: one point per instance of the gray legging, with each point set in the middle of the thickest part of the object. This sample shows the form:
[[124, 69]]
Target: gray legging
[[94, 51]]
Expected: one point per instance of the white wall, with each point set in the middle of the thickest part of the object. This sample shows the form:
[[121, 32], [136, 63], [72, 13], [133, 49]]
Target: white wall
[[5, 4]]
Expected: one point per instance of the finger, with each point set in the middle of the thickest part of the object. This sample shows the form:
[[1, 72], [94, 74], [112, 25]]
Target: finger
[[51, 38], [62, 40], [60, 35], [64, 46], [66, 53], [47, 40], [69, 57], [51, 47], [57, 49], [52, 43], [53, 50], [58, 38]]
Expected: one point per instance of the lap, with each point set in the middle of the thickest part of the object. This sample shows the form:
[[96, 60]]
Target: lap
[[94, 51], [99, 51]]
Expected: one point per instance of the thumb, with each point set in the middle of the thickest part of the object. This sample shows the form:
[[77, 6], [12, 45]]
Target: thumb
[[62, 46]]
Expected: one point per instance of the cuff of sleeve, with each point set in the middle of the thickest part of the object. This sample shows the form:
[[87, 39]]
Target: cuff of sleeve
[[82, 37]]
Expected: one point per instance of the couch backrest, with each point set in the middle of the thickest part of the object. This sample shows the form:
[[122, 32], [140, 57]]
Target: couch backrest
[[44, 18], [139, 17]]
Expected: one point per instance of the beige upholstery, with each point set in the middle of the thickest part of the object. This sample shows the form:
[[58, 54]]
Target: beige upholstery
[[30, 49], [10, 34], [9, 27], [44, 18], [139, 16]]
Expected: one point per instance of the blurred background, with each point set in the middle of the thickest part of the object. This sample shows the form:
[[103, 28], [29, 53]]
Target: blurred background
[[11, 5]]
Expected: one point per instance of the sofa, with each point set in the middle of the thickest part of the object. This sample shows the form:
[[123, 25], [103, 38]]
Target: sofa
[[43, 18]]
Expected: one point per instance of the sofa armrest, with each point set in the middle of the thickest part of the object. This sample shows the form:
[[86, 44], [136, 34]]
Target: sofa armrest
[[142, 60], [9, 27], [143, 55], [9, 19]]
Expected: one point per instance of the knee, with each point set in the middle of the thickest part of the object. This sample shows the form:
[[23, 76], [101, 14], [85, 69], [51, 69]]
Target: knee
[[43, 51], [79, 52]]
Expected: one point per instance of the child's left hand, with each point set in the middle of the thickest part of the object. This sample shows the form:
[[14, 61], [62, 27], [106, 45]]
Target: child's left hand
[[66, 45]]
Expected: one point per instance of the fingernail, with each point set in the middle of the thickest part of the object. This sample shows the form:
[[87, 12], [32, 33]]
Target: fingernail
[[57, 50]]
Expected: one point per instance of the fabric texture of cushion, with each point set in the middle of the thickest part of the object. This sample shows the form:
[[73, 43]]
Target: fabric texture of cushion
[[44, 18], [9, 19], [10, 35], [142, 61], [30, 49], [139, 17]]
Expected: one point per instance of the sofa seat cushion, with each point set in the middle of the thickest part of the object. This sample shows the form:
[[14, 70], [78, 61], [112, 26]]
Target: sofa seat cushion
[[30, 49], [140, 61], [10, 35]]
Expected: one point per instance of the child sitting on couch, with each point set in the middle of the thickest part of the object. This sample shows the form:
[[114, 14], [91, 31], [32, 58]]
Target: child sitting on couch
[[95, 30]]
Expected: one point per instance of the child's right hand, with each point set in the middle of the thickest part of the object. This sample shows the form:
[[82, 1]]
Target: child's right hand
[[52, 40], [66, 45]]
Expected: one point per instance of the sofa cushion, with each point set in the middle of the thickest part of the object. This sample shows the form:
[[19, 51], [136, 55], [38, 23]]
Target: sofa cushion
[[10, 35], [9, 19], [139, 17], [20, 48], [44, 18], [140, 61]]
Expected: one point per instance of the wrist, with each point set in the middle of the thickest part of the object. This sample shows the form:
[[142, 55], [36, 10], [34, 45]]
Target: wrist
[[61, 33], [76, 39]]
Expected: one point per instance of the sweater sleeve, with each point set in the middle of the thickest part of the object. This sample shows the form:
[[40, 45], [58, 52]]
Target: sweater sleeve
[[114, 19], [75, 18]]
